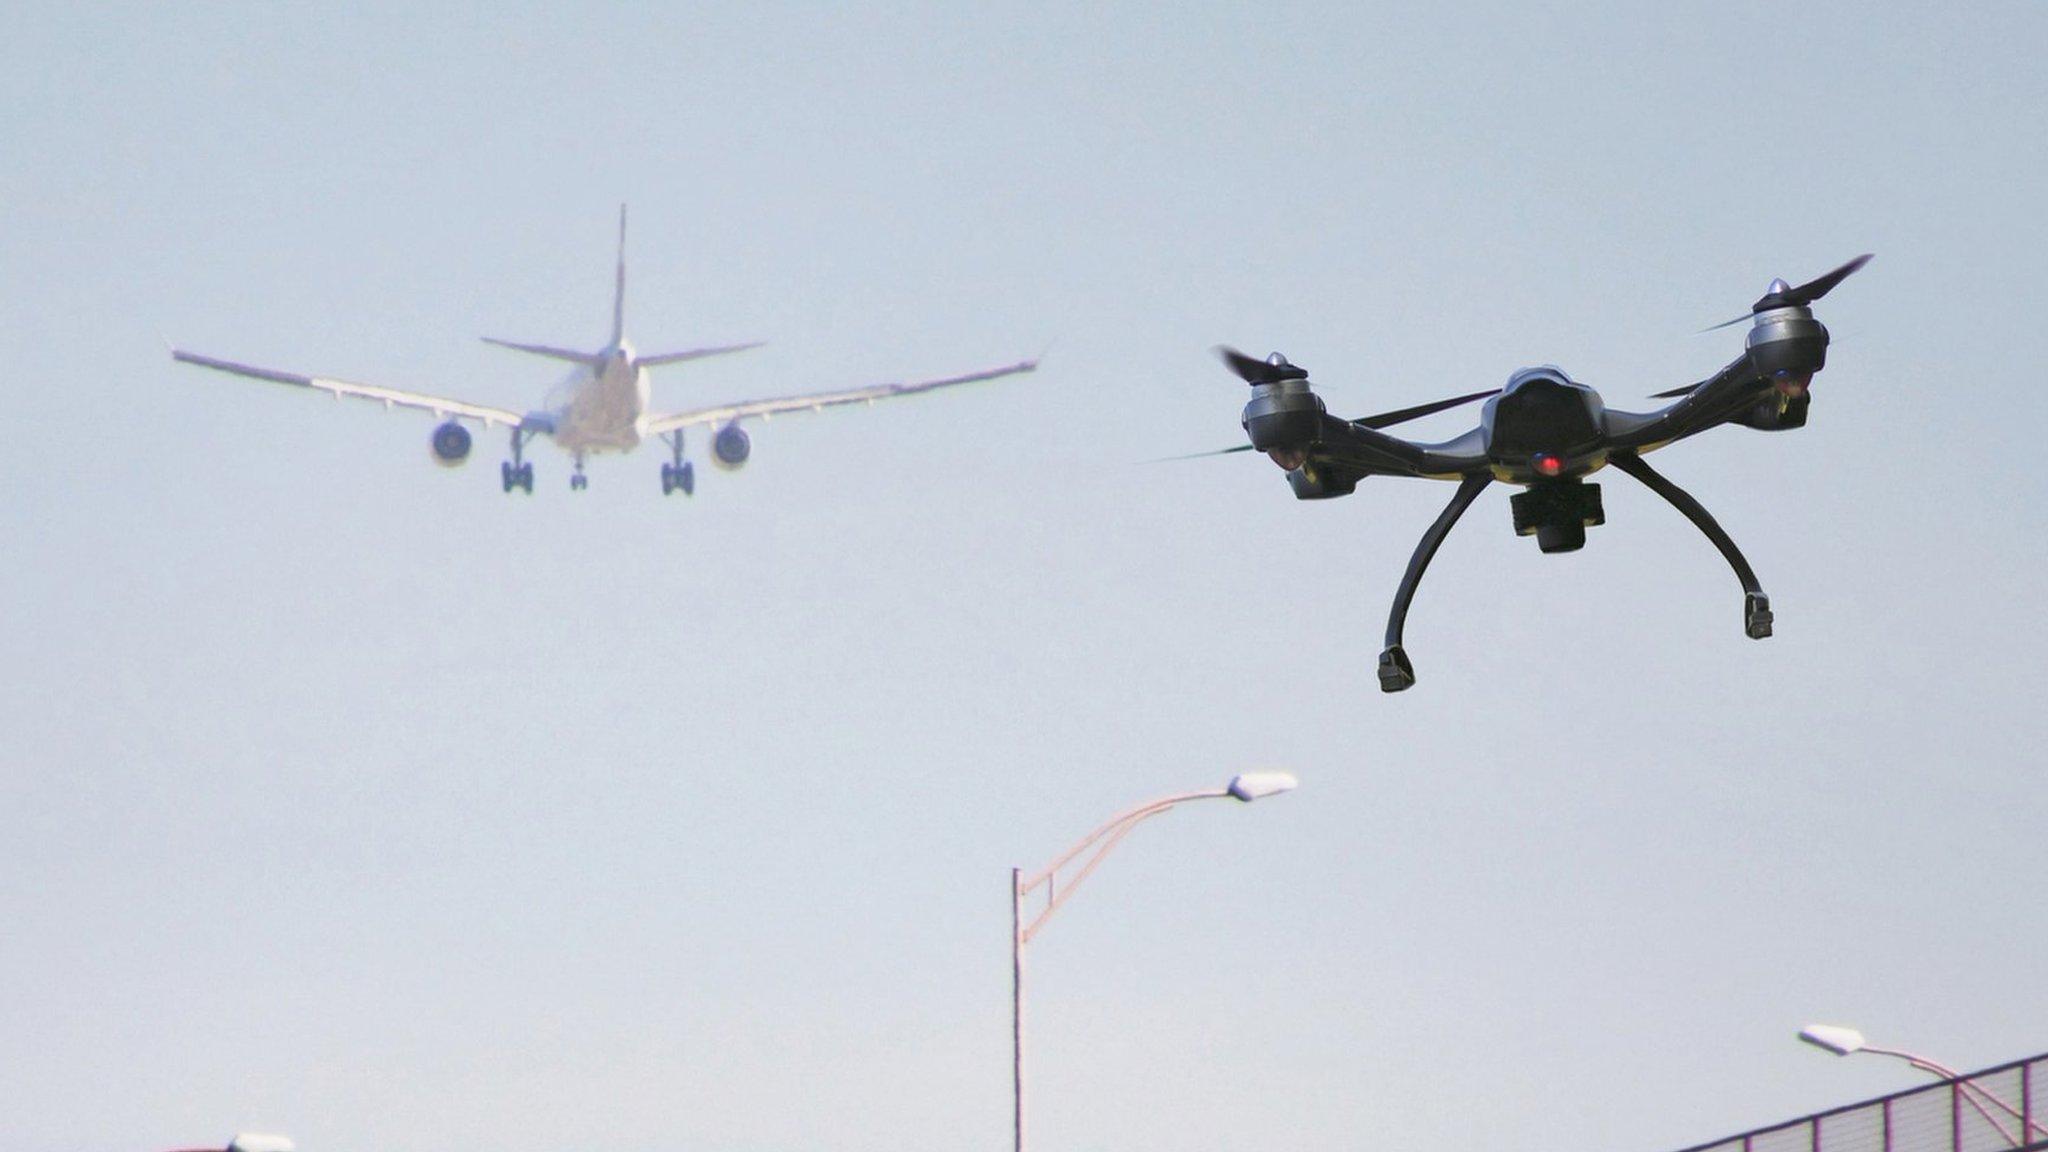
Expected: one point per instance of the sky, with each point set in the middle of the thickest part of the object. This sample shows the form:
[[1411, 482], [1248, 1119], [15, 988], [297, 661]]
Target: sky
[[347, 797]]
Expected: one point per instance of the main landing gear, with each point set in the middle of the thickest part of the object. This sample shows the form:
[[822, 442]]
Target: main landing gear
[[516, 473], [1756, 607], [680, 473], [577, 480]]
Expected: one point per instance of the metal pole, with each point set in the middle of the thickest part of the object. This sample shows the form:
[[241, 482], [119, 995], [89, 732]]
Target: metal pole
[[1017, 999]]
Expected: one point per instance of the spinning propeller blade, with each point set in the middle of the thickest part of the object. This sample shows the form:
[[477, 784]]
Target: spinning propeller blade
[[1782, 295], [1402, 415], [1201, 455], [1275, 369], [1813, 289], [1271, 370]]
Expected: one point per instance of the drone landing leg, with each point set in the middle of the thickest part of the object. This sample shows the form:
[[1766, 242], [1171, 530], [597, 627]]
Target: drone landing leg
[[1396, 673], [1756, 607]]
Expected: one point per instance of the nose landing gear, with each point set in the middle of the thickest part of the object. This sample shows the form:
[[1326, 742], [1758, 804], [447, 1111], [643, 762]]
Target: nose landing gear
[[577, 480]]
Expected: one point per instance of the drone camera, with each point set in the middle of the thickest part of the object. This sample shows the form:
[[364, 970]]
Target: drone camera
[[1558, 514]]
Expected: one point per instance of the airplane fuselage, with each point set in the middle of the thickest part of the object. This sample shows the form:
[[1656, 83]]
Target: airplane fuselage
[[605, 406]]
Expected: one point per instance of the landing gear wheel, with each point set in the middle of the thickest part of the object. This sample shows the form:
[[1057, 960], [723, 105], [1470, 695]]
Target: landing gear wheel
[[505, 475], [1756, 615], [526, 478], [668, 479], [1396, 673], [578, 482], [686, 478]]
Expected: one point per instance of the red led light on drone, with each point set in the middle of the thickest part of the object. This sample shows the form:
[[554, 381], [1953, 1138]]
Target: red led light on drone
[[1549, 464]]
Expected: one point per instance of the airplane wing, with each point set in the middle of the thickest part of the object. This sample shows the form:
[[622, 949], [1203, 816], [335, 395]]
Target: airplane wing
[[442, 407], [726, 413]]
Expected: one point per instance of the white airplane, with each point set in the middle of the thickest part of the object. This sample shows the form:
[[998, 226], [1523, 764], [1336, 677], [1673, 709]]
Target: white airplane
[[602, 405]]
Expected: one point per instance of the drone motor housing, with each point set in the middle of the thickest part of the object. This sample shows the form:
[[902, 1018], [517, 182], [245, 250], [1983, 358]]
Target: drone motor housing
[[1283, 416], [1788, 341]]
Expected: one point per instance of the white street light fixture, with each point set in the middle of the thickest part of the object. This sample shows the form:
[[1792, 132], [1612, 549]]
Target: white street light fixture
[[1844, 1041], [1259, 785], [1246, 788], [1834, 1038], [256, 1142]]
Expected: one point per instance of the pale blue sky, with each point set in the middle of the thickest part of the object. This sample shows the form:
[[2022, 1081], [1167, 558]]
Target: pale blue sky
[[344, 796]]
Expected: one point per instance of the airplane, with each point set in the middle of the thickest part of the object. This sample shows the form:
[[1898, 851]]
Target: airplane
[[602, 406], [1545, 432]]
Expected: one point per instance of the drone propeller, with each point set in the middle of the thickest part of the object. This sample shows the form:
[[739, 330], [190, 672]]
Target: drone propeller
[[1275, 368], [1272, 370], [1202, 455], [1403, 415], [1782, 295]]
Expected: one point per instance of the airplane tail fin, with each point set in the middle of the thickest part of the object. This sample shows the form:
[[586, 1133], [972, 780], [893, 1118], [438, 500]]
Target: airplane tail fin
[[619, 293], [591, 359]]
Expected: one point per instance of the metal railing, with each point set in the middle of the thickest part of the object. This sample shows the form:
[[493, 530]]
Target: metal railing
[[2002, 1109]]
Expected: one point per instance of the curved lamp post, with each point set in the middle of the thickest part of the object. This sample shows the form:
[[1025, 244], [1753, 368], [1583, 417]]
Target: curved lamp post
[[1246, 788], [1848, 1041]]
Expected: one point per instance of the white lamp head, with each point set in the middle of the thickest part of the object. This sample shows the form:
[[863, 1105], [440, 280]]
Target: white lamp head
[[1833, 1037], [1254, 785]]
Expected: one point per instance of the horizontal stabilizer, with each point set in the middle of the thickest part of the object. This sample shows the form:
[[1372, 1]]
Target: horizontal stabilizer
[[659, 359], [570, 354]]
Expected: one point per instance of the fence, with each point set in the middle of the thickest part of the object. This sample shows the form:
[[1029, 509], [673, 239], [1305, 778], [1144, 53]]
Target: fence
[[2000, 1109]]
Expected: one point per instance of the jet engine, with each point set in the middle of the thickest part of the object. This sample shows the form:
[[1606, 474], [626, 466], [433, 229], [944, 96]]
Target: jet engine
[[731, 447], [451, 444]]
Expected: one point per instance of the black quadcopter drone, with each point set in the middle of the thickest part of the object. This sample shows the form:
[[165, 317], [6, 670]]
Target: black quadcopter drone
[[1545, 432]]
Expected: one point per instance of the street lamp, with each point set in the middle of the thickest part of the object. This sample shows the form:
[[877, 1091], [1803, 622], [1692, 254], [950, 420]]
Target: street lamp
[[1245, 788], [255, 1142], [1848, 1041]]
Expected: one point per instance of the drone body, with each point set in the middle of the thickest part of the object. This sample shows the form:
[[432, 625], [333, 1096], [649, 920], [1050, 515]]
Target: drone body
[[1547, 433]]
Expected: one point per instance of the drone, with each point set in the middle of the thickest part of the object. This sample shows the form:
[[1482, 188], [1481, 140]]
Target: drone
[[1546, 433]]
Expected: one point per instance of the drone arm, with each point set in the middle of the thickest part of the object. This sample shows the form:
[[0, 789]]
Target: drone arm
[[1715, 400], [1756, 607], [1358, 446], [1396, 673]]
